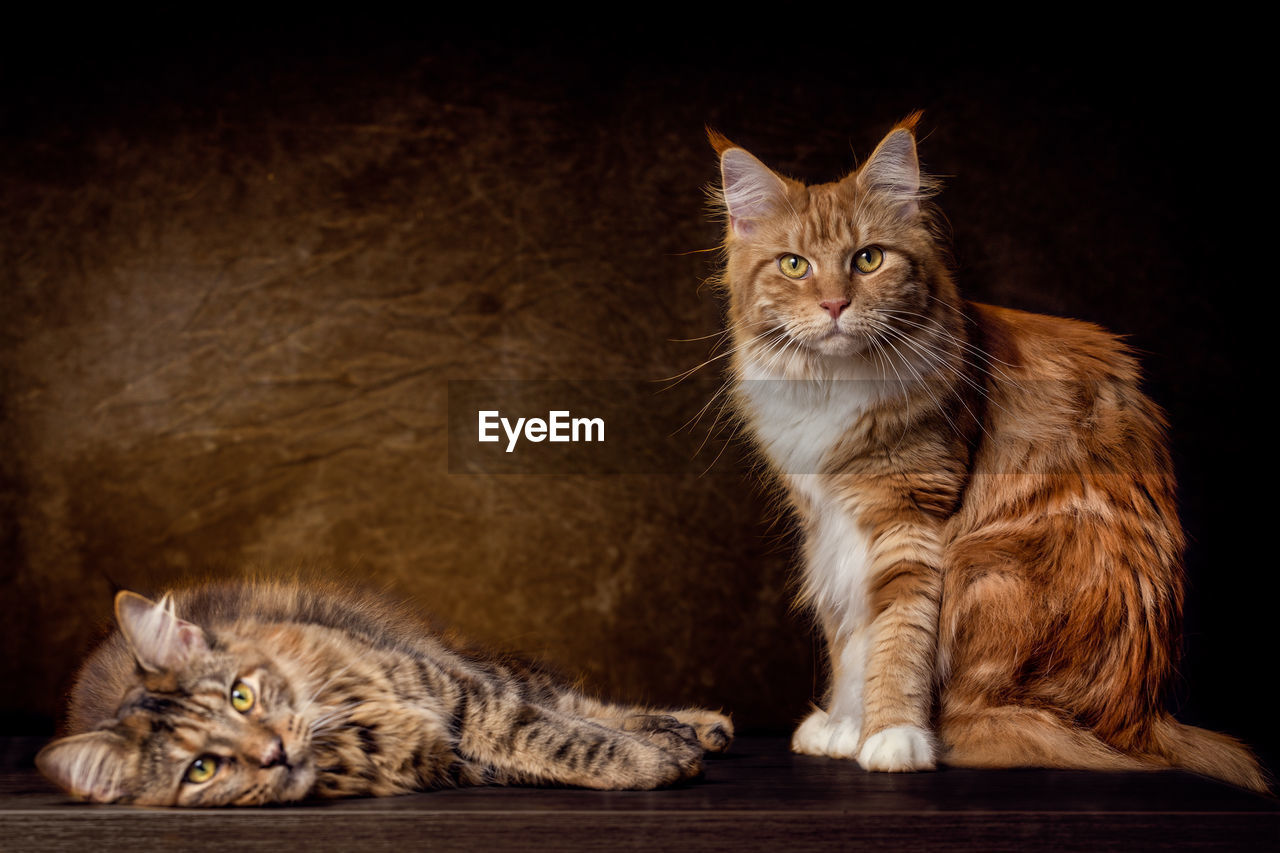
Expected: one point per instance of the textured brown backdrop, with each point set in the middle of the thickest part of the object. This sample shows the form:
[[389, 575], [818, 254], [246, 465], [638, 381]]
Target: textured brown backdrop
[[239, 272]]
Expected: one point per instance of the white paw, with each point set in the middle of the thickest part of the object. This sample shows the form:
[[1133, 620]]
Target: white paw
[[898, 749], [821, 735]]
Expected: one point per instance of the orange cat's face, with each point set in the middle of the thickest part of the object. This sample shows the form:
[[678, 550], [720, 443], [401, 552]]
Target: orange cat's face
[[828, 270], [841, 270]]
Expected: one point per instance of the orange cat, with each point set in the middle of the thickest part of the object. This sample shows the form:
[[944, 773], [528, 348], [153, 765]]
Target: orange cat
[[991, 544]]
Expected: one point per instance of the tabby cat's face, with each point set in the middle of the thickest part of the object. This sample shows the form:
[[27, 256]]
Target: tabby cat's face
[[228, 733], [203, 723]]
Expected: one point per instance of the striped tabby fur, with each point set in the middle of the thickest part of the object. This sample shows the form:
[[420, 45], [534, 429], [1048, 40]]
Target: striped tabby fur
[[991, 545], [351, 696]]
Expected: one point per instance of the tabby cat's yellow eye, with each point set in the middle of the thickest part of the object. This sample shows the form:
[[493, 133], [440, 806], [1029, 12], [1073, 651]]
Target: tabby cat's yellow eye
[[241, 697], [202, 769], [869, 259], [793, 266]]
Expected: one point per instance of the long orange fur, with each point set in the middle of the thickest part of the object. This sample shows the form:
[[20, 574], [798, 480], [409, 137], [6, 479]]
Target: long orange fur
[[992, 548]]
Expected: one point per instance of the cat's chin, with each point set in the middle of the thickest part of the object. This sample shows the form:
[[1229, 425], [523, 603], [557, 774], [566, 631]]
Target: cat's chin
[[297, 783], [840, 344]]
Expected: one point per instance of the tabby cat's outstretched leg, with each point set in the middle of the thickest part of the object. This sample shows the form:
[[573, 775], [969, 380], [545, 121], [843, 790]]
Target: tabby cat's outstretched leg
[[713, 730], [530, 744]]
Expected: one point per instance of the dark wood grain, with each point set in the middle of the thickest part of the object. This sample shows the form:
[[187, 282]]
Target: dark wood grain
[[758, 797]]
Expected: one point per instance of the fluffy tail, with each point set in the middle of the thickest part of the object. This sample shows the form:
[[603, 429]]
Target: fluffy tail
[[1209, 754], [1018, 736]]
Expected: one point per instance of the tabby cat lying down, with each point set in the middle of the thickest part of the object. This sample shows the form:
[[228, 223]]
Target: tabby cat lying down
[[243, 694]]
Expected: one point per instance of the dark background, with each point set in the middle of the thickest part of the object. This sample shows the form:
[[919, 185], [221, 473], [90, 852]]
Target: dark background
[[240, 265]]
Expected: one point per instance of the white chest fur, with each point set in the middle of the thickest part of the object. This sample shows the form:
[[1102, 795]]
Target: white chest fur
[[798, 423], [837, 556]]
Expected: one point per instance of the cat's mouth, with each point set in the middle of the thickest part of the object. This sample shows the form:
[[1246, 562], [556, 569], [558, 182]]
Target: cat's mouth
[[835, 339], [297, 781], [296, 773]]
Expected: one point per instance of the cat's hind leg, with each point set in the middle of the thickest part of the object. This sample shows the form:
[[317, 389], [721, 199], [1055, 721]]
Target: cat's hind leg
[[1014, 690]]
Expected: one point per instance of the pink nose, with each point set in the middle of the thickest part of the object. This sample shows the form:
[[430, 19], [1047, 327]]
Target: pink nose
[[273, 753], [835, 306]]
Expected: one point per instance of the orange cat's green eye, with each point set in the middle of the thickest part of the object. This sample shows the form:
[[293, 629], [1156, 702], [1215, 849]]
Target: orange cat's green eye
[[241, 697], [202, 769], [793, 266], [869, 259]]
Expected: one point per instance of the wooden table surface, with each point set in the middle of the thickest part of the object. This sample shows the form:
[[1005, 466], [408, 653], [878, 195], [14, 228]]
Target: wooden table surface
[[759, 796]]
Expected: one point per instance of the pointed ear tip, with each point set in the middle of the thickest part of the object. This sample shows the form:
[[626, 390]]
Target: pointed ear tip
[[719, 142], [910, 121], [127, 598]]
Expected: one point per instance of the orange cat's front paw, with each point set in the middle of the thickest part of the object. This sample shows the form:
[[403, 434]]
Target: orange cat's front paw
[[821, 734], [898, 749]]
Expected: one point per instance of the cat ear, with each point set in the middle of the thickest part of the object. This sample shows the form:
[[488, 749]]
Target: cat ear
[[751, 190], [893, 170], [93, 766], [160, 640]]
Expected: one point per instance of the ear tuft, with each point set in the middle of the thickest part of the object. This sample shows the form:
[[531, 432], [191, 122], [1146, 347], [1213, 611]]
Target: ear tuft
[[719, 141], [93, 766], [161, 641], [909, 122]]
